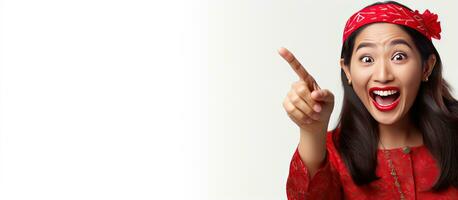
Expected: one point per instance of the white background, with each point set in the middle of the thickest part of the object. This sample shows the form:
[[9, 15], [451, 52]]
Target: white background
[[103, 100], [163, 99]]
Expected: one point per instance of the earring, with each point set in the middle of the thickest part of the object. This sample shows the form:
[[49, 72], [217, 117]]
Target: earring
[[426, 79], [349, 82]]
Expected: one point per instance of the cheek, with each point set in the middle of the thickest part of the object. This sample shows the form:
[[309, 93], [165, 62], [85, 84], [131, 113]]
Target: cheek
[[411, 77], [410, 74], [360, 79], [411, 81]]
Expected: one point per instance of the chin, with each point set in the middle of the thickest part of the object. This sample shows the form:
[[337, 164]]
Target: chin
[[386, 119]]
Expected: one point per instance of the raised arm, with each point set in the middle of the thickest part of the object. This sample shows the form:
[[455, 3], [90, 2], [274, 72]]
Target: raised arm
[[310, 107], [311, 175]]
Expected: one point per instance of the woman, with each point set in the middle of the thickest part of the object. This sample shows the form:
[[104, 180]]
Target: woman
[[397, 136]]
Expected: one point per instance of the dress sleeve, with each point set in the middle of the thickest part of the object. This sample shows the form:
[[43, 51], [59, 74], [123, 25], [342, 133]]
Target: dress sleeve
[[325, 184]]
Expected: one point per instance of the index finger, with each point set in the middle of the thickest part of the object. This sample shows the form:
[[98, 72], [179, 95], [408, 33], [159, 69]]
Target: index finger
[[295, 64]]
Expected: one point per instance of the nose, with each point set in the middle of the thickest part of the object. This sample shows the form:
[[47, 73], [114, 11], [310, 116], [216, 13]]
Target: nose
[[382, 72]]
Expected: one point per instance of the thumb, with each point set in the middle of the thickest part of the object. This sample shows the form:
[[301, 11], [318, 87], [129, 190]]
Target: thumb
[[322, 95]]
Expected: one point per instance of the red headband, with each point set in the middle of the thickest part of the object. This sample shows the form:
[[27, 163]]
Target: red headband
[[425, 23]]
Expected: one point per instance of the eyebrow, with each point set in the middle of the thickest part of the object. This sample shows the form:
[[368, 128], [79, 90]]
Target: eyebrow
[[392, 43]]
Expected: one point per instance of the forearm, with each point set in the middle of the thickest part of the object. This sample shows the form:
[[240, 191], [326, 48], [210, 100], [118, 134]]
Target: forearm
[[312, 150]]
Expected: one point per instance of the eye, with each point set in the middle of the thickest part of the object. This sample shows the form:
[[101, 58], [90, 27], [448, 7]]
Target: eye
[[399, 56], [366, 59]]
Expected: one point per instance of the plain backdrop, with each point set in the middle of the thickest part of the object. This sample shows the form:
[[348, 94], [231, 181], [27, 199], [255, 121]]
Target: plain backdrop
[[164, 99], [103, 99]]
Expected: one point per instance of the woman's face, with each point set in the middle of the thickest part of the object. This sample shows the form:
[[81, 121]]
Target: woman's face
[[385, 71]]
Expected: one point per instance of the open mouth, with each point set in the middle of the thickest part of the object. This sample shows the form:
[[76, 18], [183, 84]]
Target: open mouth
[[385, 99]]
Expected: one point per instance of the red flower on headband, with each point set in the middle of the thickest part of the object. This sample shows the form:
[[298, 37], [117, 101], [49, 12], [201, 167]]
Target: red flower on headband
[[431, 24]]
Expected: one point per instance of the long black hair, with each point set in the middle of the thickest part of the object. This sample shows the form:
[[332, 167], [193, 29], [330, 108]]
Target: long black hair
[[434, 113]]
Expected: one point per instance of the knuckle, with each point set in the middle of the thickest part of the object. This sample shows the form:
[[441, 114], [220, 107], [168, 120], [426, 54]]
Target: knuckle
[[292, 117], [308, 111], [299, 114], [301, 90], [295, 99], [289, 108], [286, 104], [290, 94]]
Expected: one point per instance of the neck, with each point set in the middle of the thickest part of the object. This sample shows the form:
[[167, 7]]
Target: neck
[[400, 134]]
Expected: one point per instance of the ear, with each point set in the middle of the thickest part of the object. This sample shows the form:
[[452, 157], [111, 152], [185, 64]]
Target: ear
[[429, 66], [345, 68]]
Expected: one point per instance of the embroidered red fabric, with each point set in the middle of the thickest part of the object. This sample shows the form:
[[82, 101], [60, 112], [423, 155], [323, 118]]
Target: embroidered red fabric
[[417, 172], [425, 23]]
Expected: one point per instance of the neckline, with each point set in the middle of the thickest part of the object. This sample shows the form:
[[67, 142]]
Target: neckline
[[401, 148]]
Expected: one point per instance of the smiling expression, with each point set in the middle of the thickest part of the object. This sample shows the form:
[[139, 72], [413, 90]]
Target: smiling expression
[[386, 71]]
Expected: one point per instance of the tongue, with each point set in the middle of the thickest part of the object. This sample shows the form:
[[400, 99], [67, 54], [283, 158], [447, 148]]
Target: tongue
[[384, 101]]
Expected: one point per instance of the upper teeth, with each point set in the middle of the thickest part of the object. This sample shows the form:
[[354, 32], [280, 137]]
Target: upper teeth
[[385, 93]]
